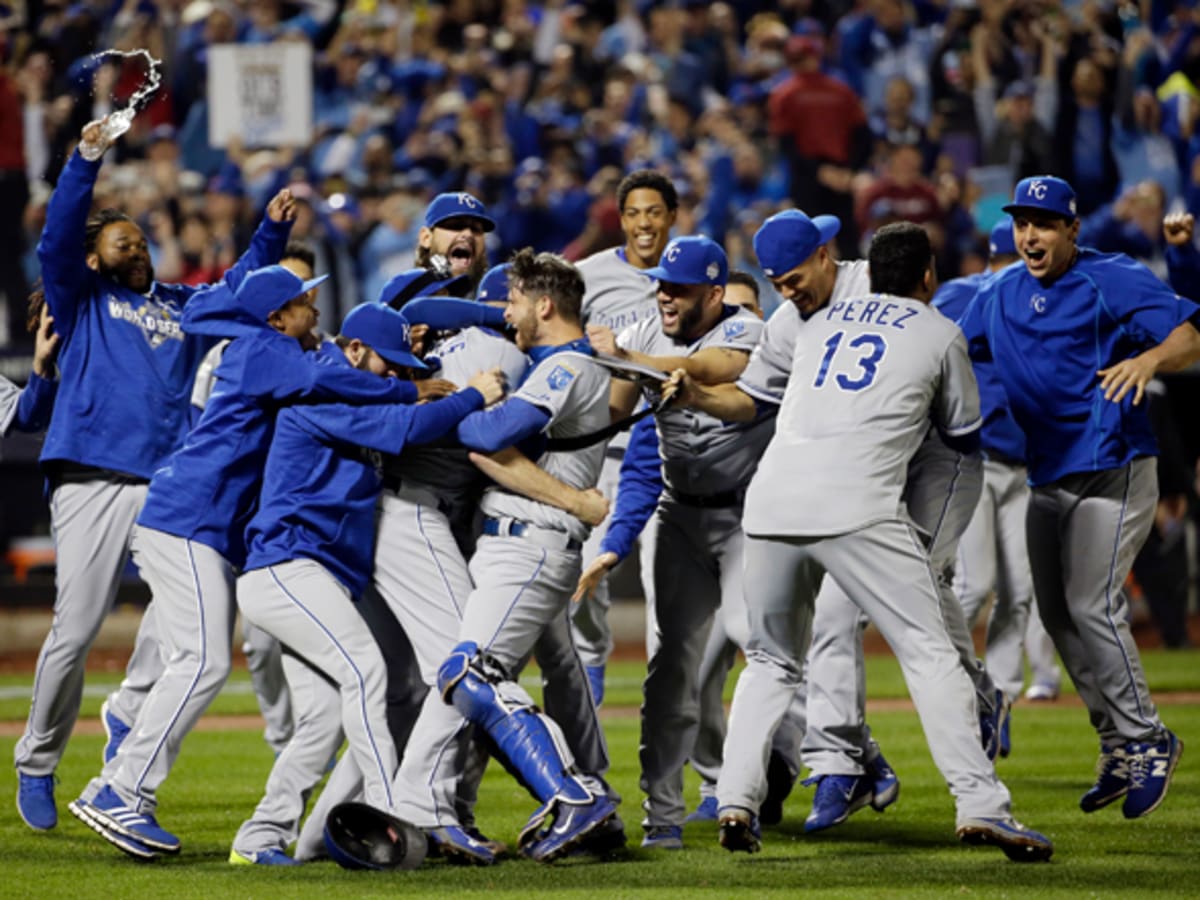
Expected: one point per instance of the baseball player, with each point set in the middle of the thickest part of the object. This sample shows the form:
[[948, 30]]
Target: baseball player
[[878, 366], [189, 536], [29, 408], [311, 542], [525, 567], [126, 369], [263, 657], [698, 554], [991, 554], [451, 240], [1076, 336], [618, 295]]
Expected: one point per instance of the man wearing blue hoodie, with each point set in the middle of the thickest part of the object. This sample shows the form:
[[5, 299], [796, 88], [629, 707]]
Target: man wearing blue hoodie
[[189, 536], [126, 370]]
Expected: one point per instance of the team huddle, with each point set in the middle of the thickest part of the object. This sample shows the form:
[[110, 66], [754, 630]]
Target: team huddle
[[406, 513]]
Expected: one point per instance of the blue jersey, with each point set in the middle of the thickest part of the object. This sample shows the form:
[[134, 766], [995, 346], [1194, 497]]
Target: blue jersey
[[1048, 342], [1000, 434], [323, 476], [126, 364], [208, 489]]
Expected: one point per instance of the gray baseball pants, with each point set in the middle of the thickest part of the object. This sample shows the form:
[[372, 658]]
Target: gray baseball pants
[[1084, 532], [92, 523], [193, 587], [885, 569]]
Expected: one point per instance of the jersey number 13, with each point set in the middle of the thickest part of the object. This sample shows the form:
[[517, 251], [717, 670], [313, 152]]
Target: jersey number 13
[[858, 361]]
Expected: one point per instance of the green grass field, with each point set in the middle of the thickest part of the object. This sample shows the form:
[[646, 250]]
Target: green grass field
[[910, 850]]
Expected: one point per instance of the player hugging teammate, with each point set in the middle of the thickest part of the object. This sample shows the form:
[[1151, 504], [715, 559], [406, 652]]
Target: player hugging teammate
[[432, 540]]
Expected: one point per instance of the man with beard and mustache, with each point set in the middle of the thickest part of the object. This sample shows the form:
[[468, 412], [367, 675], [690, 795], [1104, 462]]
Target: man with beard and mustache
[[122, 409], [452, 237]]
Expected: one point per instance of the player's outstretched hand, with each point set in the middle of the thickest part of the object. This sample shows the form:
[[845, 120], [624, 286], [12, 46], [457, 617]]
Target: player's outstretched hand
[[92, 142], [603, 340], [490, 384], [1178, 228], [591, 577], [282, 207], [592, 508], [434, 388], [45, 346], [1129, 374]]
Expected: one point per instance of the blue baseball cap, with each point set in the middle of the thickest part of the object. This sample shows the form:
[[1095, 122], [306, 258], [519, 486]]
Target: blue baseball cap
[[494, 285], [692, 260], [1045, 193], [270, 288], [790, 237], [450, 206], [413, 283], [384, 330], [1000, 242]]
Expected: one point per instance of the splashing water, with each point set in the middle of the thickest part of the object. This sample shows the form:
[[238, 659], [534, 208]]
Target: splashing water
[[120, 120]]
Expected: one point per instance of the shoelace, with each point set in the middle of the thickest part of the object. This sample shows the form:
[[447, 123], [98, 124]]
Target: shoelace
[[1139, 766], [1116, 763]]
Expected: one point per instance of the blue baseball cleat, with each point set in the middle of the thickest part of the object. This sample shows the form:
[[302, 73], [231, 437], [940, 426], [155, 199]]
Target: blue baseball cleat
[[885, 787], [1112, 780], [573, 822], [705, 812], [1150, 770], [456, 845], [836, 799], [108, 810], [35, 801], [272, 856], [663, 837], [115, 729], [131, 846], [1020, 844]]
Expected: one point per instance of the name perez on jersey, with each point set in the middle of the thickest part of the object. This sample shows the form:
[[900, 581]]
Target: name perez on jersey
[[153, 318], [873, 312]]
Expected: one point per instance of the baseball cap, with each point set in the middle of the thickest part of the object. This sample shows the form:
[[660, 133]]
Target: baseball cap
[[412, 283], [270, 288], [1019, 88], [1000, 242], [384, 330], [449, 206], [691, 260], [790, 237], [494, 286], [1044, 192]]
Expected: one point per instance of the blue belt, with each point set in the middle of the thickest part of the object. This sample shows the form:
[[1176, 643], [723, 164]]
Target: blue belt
[[545, 537]]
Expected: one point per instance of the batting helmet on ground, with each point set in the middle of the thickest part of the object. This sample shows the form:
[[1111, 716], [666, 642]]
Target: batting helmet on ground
[[359, 836]]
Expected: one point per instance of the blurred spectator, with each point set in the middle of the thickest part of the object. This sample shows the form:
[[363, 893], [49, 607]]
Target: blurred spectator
[[885, 44], [1132, 224], [823, 159], [895, 123], [901, 193]]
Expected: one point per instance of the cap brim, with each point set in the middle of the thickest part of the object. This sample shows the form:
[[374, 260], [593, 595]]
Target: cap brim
[[1014, 208], [489, 224], [827, 227], [660, 274], [312, 283], [400, 358]]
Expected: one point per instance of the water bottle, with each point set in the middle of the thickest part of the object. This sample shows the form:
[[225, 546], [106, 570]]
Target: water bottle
[[117, 124]]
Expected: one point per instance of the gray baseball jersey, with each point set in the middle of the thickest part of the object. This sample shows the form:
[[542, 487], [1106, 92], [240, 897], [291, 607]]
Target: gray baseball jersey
[[616, 294], [456, 358], [766, 375], [574, 391], [9, 395], [701, 454], [860, 445]]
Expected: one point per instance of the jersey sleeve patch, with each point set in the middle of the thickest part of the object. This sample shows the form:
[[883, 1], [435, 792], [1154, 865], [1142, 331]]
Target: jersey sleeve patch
[[560, 377]]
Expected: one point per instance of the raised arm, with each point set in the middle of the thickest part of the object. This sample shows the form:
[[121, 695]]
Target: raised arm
[[60, 250], [712, 365], [269, 240]]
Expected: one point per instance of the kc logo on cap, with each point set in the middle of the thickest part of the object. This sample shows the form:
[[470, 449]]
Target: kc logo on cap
[[457, 205], [1046, 193], [692, 260]]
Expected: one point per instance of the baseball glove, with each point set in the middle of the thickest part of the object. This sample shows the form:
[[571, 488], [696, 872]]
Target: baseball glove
[[359, 836]]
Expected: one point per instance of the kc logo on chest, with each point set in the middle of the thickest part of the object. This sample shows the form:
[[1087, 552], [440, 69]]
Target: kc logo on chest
[[1038, 303]]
